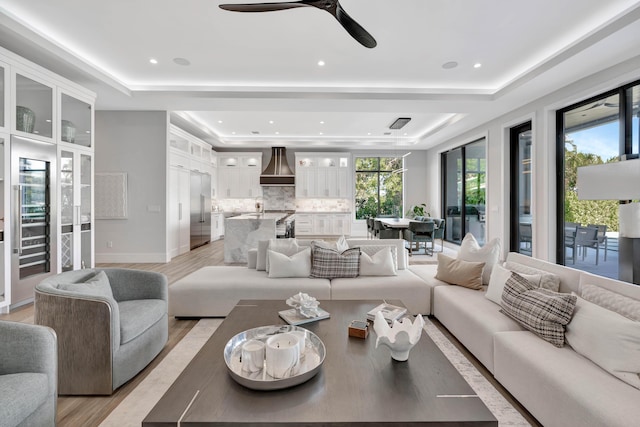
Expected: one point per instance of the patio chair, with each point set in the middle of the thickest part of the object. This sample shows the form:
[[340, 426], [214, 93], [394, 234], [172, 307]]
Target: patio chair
[[526, 237], [420, 232], [602, 236], [584, 238]]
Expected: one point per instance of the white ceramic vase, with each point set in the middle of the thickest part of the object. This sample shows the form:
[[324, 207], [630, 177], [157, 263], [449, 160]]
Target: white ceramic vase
[[401, 337]]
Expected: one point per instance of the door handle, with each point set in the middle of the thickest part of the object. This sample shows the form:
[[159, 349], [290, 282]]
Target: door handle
[[202, 208], [76, 214], [18, 239]]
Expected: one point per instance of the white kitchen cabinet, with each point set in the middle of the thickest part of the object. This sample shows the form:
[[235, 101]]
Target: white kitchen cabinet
[[217, 225], [179, 209], [323, 224], [323, 175], [76, 208], [239, 175]]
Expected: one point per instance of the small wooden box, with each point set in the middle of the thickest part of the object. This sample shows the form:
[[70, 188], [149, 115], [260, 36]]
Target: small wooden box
[[359, 329]]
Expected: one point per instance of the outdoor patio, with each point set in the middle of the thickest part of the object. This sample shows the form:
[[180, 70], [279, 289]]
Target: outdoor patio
[[608, 268]]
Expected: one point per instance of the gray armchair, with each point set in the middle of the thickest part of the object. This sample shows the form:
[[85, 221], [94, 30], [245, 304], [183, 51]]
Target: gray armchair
[[108, 330], [28, 375], [438, 233]]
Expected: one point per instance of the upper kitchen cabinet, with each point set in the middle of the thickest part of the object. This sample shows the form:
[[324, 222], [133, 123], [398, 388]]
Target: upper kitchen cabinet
[[323, 175], [239, 175], [34, 106], [76, 120]]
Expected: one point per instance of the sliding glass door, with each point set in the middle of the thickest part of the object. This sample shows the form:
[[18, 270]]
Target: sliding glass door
[[521, 234]]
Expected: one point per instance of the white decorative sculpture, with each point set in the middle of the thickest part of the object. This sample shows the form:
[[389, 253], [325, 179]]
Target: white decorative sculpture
[[305, 304], [401, 337]]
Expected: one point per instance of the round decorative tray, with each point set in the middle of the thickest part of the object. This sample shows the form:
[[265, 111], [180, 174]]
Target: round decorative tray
[[310, 361]]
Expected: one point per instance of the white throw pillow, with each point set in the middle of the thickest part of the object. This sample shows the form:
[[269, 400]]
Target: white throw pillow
[[297, 265], [287, 247], [608, 339], [339, 245], [380, 264], [261, 260], [548, 280], [499, 277], [371, 250], [470, 250]]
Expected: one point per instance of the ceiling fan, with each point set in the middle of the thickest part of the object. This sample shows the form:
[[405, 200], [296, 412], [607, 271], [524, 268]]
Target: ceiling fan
[[332, 6]]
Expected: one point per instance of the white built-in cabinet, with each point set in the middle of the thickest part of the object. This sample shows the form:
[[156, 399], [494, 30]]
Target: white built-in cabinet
[[41, 109], [217, 225], [239, 175], [323, 224], [323, 175], [186, 153]]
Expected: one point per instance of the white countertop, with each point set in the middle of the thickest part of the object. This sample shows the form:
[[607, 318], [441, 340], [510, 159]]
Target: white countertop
[[269, 215]]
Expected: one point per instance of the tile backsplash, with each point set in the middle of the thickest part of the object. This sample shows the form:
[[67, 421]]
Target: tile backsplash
[[282, 199]]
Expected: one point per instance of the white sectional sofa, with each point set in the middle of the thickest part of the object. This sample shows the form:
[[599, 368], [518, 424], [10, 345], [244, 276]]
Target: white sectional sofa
[[558, 386], [214, 291]]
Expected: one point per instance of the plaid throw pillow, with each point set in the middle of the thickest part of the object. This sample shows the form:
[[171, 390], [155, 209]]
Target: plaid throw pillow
[[330, 264], [543, 312]]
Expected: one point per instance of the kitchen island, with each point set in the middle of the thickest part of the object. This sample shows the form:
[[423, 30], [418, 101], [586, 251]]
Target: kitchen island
[[243, 232]]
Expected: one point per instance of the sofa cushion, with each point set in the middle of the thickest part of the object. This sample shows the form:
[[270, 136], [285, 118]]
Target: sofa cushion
[[406, 287], [284, 246], [21, 395], [472, 319], [339, 245], [215, 290], [559, 386], [569, 277], [539, 310], [98, 285], [460, 272], [380, 264], [470, 250], [608, 339], [499, 277], [329, 264], [547, 280], [296, 265], [627, 307], [136, 316], [401, 252]]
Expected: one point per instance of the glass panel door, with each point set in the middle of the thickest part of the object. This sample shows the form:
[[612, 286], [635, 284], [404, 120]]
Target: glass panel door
[[86, 237], [33, 217], [521, 239], [34, 107], [453, 195], [75, 122], [67, 203]]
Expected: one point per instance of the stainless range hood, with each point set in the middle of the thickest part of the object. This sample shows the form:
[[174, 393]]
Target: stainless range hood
[[277, 172]]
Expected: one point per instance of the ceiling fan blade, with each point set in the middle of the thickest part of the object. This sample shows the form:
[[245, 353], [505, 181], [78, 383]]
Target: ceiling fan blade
[[262, 7], [357, 32]]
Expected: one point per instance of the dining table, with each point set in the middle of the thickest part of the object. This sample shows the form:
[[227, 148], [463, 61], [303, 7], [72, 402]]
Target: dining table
[[400, 224]]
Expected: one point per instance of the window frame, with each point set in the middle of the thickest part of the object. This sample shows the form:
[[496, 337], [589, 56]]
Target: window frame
[[378, 172]]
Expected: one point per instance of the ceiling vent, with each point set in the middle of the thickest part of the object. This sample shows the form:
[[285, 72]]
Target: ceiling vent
[[400, 122], [255, 132], [277, 172]]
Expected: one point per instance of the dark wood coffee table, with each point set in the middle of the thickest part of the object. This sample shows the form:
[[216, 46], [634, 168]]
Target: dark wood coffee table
[[358, 384]]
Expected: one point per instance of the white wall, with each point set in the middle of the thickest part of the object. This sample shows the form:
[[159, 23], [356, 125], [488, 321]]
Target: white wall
[[542, 114], [134, 142]]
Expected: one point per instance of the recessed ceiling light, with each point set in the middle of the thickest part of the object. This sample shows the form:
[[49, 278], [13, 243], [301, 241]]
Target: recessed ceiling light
[[219, 121], [449, 65], [270, 122], [182, 61], [48, 120], [321, 63], [233, 133], [154, 61], [368, 133], [87, 131], [277, 133], [321, 133], [405, 134], [321, 122], [477, 65]]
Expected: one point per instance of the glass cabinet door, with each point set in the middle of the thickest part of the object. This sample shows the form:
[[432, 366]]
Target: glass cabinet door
[[3, 95], [67, 203], [86, 239], [75, 121], [34, 107]]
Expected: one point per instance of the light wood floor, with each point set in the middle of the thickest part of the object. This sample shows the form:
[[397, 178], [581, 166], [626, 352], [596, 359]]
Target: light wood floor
[[91, 411]]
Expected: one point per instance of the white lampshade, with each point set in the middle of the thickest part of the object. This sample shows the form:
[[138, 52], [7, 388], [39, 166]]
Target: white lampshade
[[629, 219], [610, 181]]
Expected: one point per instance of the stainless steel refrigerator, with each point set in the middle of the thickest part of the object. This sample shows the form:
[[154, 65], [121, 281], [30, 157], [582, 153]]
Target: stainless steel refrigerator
[[200, 209]]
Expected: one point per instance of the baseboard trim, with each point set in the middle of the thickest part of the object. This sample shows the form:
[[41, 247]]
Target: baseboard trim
[[124, 258]]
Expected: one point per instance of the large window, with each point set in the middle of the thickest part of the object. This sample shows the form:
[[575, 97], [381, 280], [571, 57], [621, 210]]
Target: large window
[[464, 180], [595, 131], [521, 233], [378, 186]]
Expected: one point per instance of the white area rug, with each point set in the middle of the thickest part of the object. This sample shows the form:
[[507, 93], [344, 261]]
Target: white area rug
[[140, 401]]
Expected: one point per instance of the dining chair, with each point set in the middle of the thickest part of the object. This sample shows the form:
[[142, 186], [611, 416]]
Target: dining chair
[[370, 231], [420, 232], [438, 233], [526, 237], [384, 232], [585, 237], [602, 236]]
